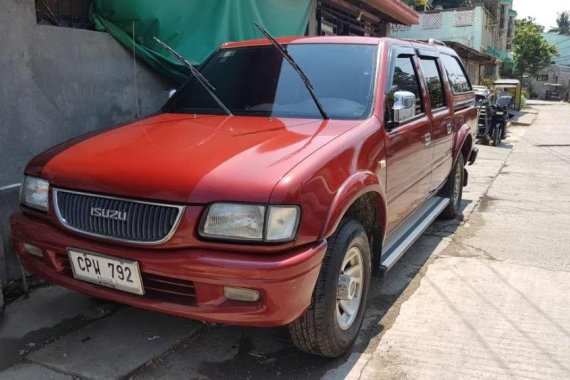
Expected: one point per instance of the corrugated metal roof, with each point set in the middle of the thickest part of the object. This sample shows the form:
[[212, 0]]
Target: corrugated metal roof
[[562, 43]]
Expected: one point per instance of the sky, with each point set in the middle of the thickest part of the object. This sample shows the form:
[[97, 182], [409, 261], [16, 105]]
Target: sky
[[544, 11]]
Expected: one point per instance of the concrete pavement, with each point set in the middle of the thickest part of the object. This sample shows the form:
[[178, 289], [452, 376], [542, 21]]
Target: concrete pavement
[[484, 297], [494, 303]]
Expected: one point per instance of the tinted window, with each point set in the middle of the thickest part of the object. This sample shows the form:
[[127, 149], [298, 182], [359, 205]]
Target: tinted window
[[257, 81], [406, 79], [457, 78], [433, 82]]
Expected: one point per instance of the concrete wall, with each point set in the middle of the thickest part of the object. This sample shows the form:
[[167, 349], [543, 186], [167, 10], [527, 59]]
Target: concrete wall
[[471, 35], [556, 74], [481, 34], [57, 83]]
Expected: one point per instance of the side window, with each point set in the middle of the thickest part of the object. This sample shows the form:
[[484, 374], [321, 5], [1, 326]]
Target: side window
[[406, 79], [457, 77], [434, 82]]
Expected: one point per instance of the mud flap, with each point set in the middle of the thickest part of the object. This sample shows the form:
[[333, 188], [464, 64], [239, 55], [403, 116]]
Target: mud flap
[[465, 177]]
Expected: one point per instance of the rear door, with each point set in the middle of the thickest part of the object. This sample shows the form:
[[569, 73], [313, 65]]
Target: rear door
[[442, 118], [462, 97], [408, 145]]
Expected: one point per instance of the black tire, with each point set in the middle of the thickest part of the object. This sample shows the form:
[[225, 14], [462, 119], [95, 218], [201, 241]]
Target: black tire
[[497, 133], [318, 331], [453, 192]]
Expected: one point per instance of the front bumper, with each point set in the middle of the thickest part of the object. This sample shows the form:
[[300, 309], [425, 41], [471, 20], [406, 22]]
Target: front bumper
[[187, 282]]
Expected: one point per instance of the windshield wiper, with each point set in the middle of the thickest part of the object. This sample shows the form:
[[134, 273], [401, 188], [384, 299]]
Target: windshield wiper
[[198, 75], [281, 49]]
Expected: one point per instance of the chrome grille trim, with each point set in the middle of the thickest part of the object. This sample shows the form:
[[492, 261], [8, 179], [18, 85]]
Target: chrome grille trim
[[137, 228]]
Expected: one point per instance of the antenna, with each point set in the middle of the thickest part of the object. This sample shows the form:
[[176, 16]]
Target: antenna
[[138, 113]]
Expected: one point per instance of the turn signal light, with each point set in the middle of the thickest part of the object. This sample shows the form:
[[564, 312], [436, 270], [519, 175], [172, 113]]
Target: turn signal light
[[33, 250], [241, 294]]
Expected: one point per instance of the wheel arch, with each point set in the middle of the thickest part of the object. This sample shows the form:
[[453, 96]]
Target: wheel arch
[[464, 143], [362, 197]]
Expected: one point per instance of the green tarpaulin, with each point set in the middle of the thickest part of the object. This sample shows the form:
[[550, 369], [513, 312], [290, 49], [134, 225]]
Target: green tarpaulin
[[194, 27]]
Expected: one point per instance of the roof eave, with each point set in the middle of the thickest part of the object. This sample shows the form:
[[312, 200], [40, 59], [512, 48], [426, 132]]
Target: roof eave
[[396, 10]]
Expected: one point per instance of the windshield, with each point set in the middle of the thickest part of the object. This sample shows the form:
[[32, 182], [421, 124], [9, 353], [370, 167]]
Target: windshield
[[257, 81]]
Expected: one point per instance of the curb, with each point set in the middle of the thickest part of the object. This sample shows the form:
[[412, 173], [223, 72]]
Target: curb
[[527, 122]]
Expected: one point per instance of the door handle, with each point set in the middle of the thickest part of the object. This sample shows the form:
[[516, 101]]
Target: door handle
[[449, 128], [427, 139]]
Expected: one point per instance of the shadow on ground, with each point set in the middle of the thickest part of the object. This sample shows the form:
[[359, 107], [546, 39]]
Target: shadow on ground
[[224, 352]]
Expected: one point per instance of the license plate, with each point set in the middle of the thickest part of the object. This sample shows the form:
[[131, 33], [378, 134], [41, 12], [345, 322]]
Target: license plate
[[108, 271]]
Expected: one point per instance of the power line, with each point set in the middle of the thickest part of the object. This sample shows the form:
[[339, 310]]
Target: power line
[[563, 41]]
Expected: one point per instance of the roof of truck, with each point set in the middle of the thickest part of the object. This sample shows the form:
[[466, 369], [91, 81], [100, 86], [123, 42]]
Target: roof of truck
[[307, 40], [435, 45]]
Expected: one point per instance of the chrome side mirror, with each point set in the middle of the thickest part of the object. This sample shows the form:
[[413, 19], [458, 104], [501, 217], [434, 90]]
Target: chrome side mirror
[[171, 92], [404, 106]]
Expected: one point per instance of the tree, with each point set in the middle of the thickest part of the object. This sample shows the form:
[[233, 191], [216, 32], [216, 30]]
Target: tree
[[563, 24], [506, 70], [531, 51], [417, 3]]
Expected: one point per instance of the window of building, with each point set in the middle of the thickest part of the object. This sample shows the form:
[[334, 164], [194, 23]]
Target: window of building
[[458, 79], [464, 18], [66, 13], [406, 79], [431, 20], [434, 82], [542, 77]]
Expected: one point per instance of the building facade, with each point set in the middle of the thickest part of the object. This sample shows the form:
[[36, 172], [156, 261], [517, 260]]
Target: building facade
[[483, 31], [359, 17], [554, 77]]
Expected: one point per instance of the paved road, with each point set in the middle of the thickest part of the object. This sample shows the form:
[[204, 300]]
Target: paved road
[[486, 296]]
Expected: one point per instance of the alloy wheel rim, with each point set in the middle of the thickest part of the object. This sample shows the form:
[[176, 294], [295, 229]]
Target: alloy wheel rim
[[349, 288]]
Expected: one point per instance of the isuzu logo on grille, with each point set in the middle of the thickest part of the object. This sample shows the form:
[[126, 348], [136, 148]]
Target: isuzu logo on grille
[[108, 214]]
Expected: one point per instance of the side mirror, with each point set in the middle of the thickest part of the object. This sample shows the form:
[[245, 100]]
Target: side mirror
[[171, 92], [404, 107]]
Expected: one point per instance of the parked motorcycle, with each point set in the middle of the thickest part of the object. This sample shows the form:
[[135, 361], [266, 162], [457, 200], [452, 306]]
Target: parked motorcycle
[[493, 114]]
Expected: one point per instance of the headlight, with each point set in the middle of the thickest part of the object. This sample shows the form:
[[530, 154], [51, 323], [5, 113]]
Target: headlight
[[34, 193], [233, 221]]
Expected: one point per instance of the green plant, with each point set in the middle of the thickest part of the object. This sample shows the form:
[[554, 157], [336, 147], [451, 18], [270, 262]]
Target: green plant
[[531, 51], [488, 82], [418, 3], [506, 70]]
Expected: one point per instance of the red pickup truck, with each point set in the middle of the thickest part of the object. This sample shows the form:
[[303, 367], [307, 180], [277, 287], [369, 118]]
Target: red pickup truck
[[267, 198]]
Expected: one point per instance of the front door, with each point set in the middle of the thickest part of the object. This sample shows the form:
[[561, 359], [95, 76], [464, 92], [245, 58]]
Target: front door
[[408, 148], [442, 121]]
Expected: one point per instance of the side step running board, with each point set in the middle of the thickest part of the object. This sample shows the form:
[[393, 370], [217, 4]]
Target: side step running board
[[410, 231]]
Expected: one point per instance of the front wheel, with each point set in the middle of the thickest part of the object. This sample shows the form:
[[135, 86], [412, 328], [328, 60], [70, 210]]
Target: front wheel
[[332, 322], [497, 134]]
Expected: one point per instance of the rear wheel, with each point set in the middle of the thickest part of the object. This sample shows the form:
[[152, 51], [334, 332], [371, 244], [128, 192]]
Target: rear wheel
[[453, 190], [331, 324]]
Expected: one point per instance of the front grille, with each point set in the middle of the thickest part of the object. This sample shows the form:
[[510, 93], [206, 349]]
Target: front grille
[[116, 218]]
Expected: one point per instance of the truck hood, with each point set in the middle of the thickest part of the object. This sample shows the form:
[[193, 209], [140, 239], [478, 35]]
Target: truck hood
[[188, 158]]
